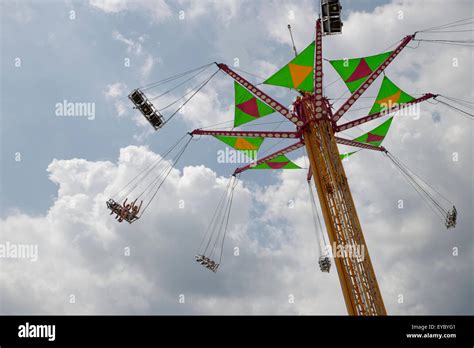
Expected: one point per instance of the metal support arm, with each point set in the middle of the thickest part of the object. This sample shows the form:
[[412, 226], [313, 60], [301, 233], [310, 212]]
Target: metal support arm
[[318, 73], [283, 151], [359, 91], [247, 134], [348, 142], [261, 95], [382, 113]]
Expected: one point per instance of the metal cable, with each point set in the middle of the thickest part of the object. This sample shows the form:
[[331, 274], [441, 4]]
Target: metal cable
[[212, 221], [417, 176], [470, 116], [172, 78], [180, 84], [219, 208], [167, 174], [448, 25], [317, 221], [148, 169], [187, 100], [416, 185], [228, 216]]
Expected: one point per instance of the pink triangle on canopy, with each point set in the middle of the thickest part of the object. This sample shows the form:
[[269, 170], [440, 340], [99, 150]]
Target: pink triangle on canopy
[[277, 165], [250, 107], [361, 71], [373, 137]]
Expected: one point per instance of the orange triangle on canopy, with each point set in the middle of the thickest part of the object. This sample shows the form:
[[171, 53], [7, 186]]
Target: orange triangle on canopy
[[242, 144], [299, 73], [390, 100]]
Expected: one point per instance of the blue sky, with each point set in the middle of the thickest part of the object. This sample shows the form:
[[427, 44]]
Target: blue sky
[[55, 195]]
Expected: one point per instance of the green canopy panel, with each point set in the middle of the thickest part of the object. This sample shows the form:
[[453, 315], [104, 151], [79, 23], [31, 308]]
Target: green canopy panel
[[389, 95], [298, 73], [279, 162], [354, 72], [249, 146], [343, 156], [248, 107], [374, 137]]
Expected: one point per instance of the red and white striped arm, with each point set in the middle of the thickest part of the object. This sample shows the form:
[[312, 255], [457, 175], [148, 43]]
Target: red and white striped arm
[[382, 113], [359, 91], [321, 111], [262, 95], [247, 134], [348, 142], [283, 151]]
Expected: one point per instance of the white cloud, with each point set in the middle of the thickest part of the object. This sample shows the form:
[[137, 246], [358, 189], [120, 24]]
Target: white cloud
[[142, 59], [300, 15], [115, 90], [265, 68], [109, 6], [147, 65], [206, 109], [222, 10], [157, 9], [117, 93], [78, 240], [132, 46], [278, 252]]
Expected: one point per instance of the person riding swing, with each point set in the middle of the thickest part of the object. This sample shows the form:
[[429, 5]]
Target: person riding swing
[[124, 214], [135, 209]]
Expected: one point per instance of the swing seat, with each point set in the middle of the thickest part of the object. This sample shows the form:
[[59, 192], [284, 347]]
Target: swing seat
[[131, 218], [212, 265], [207, 262], [324, 264], [451, 218], [137, 97], [116, 208], [147, 109]]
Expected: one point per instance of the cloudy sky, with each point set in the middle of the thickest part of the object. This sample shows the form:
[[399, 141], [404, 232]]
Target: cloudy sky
[[57, 172]]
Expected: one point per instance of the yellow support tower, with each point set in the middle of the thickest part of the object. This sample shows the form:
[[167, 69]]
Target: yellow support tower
[[357, 277]]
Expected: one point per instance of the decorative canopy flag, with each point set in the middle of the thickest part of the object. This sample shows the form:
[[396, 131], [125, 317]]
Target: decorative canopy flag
[[355, 71], [296, 74], [375, 137], [389, 95], [279, 162], [248, 107], [249, 146], [343, 156]]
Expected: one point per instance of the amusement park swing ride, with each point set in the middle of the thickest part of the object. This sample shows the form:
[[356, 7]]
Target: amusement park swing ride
[[317, 128]]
